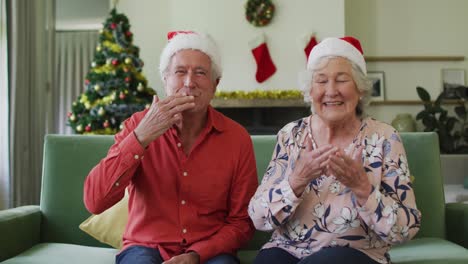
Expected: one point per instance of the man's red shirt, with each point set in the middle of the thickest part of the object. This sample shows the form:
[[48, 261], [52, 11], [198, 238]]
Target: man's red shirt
[[177, 202]]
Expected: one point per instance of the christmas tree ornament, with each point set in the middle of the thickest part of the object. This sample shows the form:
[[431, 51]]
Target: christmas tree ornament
[[113, 26], [93, 64], [73, 118], [98, 48], [106, 124], [101, 111], [115, 62], [308, 41], [86, 81], [113, 96], [69, 114], [265, 66], [259, 12], [128, 34], [140, 87], [127, 79], [109, 62], [128, 60], [79, 128], [74, 104], [121, 127], [97, 87], [125, 69], [122, 96], [87, 105], [88, 128], [147, 106]]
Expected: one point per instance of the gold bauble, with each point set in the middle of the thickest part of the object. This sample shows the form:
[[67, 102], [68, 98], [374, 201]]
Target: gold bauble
[[140, 87], [101, 111], [72, 118], [97, 87], [79, 128], [128, 60], [113, 96], [147, 106], [98, 48], [87, 105]]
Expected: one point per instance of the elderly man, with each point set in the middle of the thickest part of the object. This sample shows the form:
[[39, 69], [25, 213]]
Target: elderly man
[[189, 170]]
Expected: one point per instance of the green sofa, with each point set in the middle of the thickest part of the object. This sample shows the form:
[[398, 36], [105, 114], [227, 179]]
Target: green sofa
[[49, 233]]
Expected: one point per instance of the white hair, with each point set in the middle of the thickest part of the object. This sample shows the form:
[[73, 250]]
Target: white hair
[[363, 84]]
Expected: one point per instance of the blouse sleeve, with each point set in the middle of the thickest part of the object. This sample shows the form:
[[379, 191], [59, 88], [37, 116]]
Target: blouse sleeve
[[274, 201], [391, 210]]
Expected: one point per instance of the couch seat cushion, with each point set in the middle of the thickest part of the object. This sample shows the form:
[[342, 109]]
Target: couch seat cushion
[[417, 251], [57, 253], [429, 250]]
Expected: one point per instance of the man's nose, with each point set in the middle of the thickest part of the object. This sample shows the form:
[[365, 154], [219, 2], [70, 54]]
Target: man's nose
[[189, 80]]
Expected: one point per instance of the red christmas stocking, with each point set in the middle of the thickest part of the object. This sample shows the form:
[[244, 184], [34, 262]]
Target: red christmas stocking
[[265, 66], [309, 41]]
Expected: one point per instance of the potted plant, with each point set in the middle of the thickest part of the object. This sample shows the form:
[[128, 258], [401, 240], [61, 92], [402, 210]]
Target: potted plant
[[453, 134], [452, 130]]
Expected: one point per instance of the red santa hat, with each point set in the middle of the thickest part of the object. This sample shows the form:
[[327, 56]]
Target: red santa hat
[[347, 47], [180, 40]]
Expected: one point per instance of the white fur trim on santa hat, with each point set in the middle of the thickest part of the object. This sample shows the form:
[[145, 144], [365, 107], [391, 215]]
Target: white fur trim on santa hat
[[194, 41], [336, 47]]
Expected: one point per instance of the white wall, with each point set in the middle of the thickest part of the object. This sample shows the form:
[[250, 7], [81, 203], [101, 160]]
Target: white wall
[[80, 15], [225, 21], [409, 28]]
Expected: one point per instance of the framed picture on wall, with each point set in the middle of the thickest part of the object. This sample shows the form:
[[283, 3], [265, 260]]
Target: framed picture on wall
[[378, 85], [451, 80]]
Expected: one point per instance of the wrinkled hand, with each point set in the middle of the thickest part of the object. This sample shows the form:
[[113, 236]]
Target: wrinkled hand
[[186, 258], [310, 165], [161, 116], [349, 170]]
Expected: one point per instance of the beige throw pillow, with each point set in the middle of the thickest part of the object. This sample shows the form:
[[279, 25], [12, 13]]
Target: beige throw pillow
[[108, 226]]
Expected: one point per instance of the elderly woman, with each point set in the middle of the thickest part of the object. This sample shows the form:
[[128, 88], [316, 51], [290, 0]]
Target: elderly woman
[[338, 188]]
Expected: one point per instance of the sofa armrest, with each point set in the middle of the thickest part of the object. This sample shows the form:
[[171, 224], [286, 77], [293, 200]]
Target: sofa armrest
[[19, 229], [457, 223]]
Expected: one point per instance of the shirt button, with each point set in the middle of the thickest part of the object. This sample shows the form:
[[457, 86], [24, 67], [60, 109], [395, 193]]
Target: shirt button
[[117, 184], [185, 173], [179, 145], [136, 156], [184, 230], [182, 202]]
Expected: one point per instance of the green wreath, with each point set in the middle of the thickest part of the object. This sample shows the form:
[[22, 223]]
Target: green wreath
[[259, 12]]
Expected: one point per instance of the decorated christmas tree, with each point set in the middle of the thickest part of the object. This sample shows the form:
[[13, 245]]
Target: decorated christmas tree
[[115, 88]]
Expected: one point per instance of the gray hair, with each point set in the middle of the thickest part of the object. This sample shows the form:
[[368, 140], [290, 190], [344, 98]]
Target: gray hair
[[363, 84]]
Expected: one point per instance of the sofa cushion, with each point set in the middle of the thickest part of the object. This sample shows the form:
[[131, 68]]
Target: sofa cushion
[[429, 250], [56, 253], [108, 226], [417, 251]]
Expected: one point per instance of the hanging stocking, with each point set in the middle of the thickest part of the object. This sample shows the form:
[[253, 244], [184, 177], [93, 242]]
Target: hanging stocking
[[265, 66], [309, 41]]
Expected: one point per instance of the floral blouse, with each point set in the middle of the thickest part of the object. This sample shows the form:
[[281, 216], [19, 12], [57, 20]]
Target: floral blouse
[[327, 213]]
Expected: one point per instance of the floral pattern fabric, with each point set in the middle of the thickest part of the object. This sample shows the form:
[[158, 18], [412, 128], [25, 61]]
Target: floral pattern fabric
[[327, 213]]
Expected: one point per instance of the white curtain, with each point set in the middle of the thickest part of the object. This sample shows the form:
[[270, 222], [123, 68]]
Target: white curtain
[[31, 34], [73, 57], [4, 153]]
